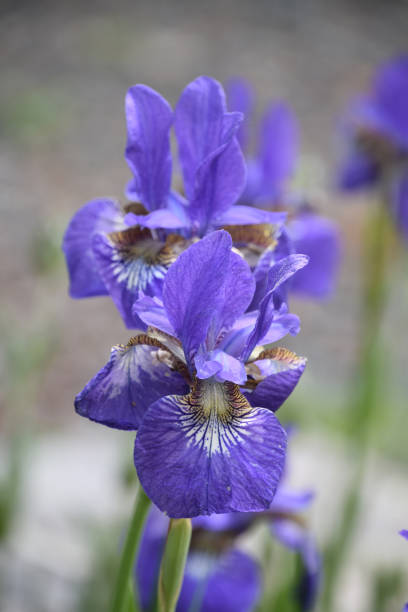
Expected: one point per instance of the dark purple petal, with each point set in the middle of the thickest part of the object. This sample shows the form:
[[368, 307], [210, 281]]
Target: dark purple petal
[[232, 521], [198, 121], [122, 391], [240, 98], [357, 171], [278, 149], [219, 182], [149, 118], [391, 97], [319, 239], [192, 293], [211, 159], [231, 583], [96, 216], [209, 452], [237, 292], [283, 370], [247, 215], [129, 262], [400, 205]]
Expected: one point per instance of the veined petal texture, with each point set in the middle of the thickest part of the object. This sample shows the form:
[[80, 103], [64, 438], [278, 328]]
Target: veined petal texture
[[209, 452]]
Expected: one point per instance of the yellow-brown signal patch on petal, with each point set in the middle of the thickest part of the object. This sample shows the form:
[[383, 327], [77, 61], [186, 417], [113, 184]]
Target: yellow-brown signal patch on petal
[[272, 376]]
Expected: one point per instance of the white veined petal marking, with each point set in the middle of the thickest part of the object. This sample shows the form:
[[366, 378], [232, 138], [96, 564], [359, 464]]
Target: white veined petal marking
[[215, 416], [138, 258]]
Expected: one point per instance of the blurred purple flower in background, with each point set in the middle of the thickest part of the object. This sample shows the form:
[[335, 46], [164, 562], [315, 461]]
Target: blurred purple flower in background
[[198, 387], [110, 250], [219, 574], [267, 186], [376, 133]]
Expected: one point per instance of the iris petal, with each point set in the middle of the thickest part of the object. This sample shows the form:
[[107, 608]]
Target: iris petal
[[95, 216], [282, 370], [149, 118], [122, 391], [231, 583], [192, 293], [131, 261], [209, 452]]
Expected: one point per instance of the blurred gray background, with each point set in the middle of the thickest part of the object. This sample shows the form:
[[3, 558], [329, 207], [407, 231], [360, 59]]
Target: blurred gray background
[[65, 69]]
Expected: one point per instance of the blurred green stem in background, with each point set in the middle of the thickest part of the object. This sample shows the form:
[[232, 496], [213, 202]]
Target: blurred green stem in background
[[173, 563], [120, 598], [362, 407]]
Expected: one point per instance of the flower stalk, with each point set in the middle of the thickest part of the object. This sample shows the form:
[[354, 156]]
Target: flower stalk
[[173, 563], [120, 597]]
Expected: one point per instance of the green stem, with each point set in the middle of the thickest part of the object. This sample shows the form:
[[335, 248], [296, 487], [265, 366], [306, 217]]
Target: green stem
[[121, 591], [363, 405], [173, 563]]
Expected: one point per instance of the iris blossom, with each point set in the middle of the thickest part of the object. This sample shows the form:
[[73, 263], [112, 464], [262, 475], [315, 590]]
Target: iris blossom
[[200, 388], [267, 186], [121, 251], [376, 131], [219, 574]]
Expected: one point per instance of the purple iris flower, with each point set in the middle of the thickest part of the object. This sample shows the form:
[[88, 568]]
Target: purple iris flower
[[269, 172], [376, 134], [218, 574], [121, 251], [200, 388]]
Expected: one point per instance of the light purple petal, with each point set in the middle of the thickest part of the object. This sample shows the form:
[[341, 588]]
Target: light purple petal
[[158, 218], [248, 215], [284, 369], [278, 149], [126, 268], [122, 391], [319, 239], [192, 293], [231, 583], [96, 216], [149, 118], [400, 205], [240, 98], [151, 311], [232, 369], [287, 501], [209, 453], [284, 269], [279, 273], [281, 326]]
